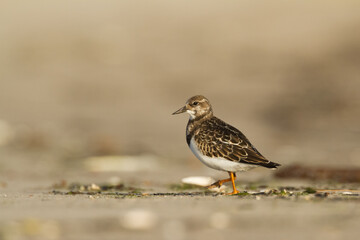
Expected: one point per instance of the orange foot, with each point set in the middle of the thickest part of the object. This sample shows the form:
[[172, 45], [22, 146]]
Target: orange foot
[[234, 192]]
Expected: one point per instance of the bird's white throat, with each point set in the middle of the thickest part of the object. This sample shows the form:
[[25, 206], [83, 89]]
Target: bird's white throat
[[191, 113]]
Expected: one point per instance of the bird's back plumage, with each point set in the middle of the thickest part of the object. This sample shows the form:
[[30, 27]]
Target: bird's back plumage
[[216, 139]]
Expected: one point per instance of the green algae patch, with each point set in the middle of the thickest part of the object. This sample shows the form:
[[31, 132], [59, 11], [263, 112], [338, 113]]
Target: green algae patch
[[185, 186], [309, 190], [242, 194]]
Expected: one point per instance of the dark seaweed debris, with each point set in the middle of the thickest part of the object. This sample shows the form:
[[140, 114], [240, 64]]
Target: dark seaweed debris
[[320, 173], [136, 194]]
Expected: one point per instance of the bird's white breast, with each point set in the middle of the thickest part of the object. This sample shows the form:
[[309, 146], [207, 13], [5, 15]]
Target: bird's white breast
[[221, 164]]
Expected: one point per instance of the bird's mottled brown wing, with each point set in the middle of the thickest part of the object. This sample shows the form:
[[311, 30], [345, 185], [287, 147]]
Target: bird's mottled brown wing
[[216, 138]]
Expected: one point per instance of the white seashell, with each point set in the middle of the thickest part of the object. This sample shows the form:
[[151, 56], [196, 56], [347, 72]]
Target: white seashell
[[198, 180]]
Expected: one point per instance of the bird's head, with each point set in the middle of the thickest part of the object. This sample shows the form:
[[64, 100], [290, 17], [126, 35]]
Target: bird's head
[[197, 106]]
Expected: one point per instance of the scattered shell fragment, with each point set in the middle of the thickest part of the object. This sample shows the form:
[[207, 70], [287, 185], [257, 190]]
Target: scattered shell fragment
[[138, 219], [94, 187], [349, 193], [198, 180], [265, 191], [251, 192]]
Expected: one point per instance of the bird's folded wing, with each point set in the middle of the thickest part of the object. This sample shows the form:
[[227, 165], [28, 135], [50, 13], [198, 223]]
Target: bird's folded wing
[[229, 146]]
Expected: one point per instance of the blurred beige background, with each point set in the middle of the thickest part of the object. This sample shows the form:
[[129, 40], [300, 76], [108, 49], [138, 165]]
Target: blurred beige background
[[103, 77], [85, 83]]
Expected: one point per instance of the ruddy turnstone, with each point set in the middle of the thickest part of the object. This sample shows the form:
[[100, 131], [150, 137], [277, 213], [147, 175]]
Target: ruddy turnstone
[[219, 145]]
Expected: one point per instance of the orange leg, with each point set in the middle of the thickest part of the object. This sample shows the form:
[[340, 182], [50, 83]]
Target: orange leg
[[233, 177], [219, 183]]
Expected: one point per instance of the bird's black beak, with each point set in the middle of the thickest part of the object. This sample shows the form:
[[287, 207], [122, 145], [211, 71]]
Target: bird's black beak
[[181, 110]]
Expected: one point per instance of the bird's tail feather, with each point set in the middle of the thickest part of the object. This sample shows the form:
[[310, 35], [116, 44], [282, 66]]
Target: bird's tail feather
[[272, 165]]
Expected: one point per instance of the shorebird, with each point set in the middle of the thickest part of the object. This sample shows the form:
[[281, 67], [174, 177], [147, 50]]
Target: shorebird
[[219, 145]]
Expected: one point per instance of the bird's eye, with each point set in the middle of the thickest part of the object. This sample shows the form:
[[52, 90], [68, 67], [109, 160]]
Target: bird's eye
[[195, 103]]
